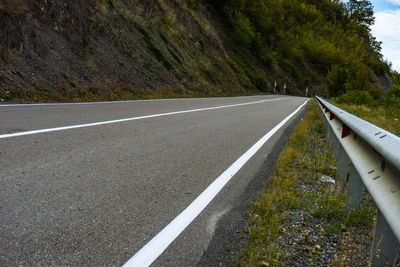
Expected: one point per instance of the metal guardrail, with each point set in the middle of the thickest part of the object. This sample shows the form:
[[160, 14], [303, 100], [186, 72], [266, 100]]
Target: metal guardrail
[[369, 157]]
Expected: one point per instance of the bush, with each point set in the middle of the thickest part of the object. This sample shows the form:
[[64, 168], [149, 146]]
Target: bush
[[268, 60], [396, 77], [357, 97], [6, 94], [110, 4], [260, 82], [288, 66], [392, 101], [337, 80], [394, 91], [192, 3], [243, 31]]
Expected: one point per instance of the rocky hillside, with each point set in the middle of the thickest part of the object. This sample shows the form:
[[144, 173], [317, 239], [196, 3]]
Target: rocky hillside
[[65, 50]]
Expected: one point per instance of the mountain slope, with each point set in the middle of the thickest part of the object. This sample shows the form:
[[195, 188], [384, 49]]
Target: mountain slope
[[119, 49]]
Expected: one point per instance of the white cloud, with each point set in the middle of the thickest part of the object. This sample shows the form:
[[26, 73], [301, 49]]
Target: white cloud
[[395, 2], [387, 30]]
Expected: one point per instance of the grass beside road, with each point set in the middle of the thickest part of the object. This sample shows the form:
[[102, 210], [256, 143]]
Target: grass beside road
[[386, 117], [299, 219]]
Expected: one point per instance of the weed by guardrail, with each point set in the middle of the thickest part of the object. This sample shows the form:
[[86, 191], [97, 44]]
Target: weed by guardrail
[[300, 219], [392, 102]]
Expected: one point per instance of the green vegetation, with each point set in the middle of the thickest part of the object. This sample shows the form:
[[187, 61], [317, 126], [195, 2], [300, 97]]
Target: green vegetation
[[226, 47], [295, 188], [192, 3], [5, 94], [153, 48], [250, 76], [313, 41], [176, 36], [13, 8], [385, 116], [110, 3], [392, 103], [396, 77], [383, 112]]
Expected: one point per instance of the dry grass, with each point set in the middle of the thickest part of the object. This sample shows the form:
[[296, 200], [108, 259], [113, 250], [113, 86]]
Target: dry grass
[[295, 188], [269, 209], [380, 116], [14, 7], [91, 66]]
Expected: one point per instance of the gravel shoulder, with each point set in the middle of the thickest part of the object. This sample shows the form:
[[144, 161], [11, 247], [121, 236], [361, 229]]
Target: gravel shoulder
[[300, 218]]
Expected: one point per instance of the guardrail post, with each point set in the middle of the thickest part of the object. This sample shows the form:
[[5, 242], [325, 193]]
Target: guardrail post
[[336, 146], [343, 164], [326, 125], [355, 190], [385, 247], [373, 152], [331, 136]]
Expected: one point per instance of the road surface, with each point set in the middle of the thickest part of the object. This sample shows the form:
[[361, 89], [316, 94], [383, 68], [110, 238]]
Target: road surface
[[97, 192]]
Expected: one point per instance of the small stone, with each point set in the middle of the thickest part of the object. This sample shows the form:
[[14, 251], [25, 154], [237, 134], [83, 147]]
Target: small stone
[[317, 247], [327, 179]]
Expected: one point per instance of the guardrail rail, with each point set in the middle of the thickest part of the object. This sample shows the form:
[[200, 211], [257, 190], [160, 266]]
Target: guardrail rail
[[368, 157]]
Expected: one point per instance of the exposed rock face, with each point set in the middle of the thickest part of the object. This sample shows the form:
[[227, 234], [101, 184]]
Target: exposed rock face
[[105, 49], [52, 50]]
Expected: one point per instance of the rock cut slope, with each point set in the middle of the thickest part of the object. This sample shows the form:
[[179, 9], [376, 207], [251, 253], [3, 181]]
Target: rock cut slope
[[118, 49], [65, 50]]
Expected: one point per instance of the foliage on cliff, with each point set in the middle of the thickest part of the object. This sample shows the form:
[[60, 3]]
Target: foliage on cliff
[[310, 39], [118, 49]]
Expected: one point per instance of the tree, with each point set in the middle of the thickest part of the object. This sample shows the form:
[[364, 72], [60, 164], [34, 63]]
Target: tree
[[396, 77], [375, 45], [360, 12]]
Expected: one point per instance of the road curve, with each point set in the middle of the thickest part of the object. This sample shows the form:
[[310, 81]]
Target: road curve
[[97, 193]]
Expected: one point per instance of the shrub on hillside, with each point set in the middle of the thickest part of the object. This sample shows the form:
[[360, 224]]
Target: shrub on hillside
[[357, 97], [392, 101], [396, 77], [394, 91], [243, 32], [337, 80]]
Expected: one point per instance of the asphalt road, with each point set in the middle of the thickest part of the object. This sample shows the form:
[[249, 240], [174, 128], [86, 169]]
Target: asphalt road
[[95, 195]]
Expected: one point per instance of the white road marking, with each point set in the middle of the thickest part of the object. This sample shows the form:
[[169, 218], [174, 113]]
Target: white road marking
[[88, 103], [130, 119], [108, 102], [156, 246]]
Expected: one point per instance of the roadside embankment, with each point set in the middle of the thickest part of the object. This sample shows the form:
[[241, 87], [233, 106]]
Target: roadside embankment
[[384, 116], [300, 218]]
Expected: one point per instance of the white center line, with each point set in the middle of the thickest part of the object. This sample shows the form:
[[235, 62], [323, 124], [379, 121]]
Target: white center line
[[156, 246], [89, 103], [130, 119], [111, 102]]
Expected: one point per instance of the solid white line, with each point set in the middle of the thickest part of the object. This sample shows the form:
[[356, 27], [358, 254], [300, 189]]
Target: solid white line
[[156, 246], [129, 119], [103, 102], [88, 103]]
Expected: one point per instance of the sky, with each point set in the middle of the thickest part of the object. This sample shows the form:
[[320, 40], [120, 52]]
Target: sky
[[387, 29]]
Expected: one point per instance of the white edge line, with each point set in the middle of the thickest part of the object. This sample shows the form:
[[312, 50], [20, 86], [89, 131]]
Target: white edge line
[[156, 246], [130, 119]]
